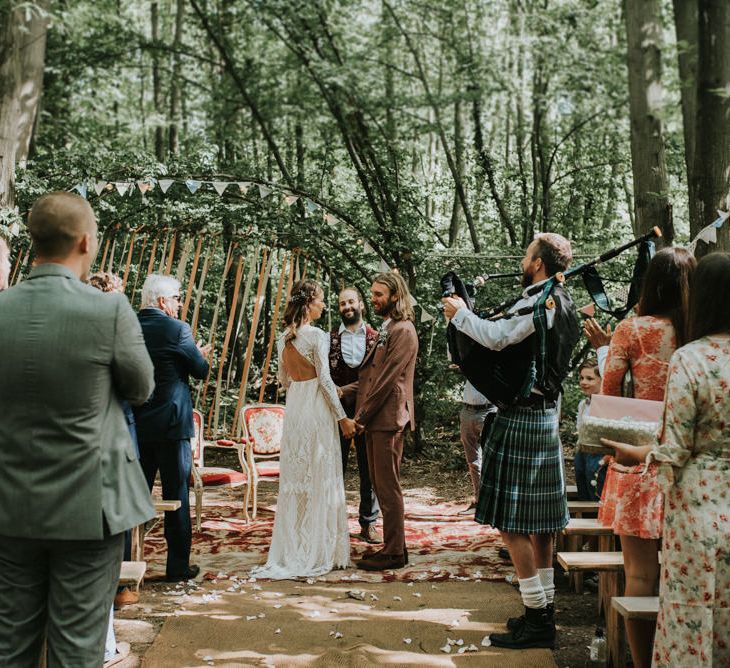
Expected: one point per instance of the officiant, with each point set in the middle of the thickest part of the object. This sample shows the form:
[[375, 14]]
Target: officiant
[[349, 344]]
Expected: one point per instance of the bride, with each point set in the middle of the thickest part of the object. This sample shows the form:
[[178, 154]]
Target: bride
[[310, 529]]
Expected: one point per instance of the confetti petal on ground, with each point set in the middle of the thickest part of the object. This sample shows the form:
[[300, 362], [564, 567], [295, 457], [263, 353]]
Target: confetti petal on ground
[[486, 642]]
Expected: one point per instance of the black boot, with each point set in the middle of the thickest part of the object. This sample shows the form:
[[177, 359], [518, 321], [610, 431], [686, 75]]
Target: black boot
[[513, 623], [538, 630]]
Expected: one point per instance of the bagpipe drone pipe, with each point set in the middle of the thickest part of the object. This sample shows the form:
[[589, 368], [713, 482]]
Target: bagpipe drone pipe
[[504, 375]]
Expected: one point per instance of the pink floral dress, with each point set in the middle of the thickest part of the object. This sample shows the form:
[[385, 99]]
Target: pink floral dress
[[631, 502], [693, 627]]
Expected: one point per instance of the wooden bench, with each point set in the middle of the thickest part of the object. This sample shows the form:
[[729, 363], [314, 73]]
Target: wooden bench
[[132, 573], [610, 567], [579, 508], [636, 607], [586, 526], [138, 532]]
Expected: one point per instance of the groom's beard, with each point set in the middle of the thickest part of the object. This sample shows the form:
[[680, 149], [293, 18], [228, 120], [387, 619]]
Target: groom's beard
[[351, 317]]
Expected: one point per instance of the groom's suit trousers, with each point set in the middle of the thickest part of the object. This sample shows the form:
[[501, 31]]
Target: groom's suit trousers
[[385, 450]]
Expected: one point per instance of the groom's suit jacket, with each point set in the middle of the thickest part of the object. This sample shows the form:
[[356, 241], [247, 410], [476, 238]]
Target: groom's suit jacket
[[384, 387], [68, 354]]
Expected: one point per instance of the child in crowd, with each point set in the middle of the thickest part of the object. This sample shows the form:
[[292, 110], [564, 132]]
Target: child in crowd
[[590, 471]]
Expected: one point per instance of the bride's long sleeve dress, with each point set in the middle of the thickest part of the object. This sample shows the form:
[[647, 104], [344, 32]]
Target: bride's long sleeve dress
[[310, 534]]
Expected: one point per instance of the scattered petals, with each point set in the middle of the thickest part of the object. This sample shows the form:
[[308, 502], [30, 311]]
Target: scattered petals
[[486, 642]]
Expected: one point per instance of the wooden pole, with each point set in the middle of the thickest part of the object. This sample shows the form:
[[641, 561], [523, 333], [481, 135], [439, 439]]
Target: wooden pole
[[251, 339], [106, 250], [153, 252], [163, 255], [272, 333], [168, 267], [128, 263], [201, 283], [18, 262], [226, 341], [191, 282], [139, 267]]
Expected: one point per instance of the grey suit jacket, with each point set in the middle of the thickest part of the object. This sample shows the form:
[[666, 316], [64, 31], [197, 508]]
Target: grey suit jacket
[[68, 354]]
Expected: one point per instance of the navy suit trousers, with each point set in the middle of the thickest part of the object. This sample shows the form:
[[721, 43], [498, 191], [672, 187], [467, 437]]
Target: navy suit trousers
[[174, 460]]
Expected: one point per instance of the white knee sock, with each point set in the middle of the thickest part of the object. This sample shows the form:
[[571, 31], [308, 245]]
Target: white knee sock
[[547, 580], [533, 595]]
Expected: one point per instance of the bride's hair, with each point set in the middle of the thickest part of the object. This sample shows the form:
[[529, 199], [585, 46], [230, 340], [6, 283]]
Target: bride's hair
[[303, 293]]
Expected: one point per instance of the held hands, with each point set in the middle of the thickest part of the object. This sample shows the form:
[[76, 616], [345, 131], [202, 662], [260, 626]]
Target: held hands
[[360, 427], [339, 392], [348, 427], [595, 335], [452, 305]]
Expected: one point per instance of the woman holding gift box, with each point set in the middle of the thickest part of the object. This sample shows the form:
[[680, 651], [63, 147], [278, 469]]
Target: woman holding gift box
[[631, 503]]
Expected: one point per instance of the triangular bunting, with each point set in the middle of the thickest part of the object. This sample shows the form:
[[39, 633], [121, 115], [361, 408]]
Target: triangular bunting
[[723, 216], [330, 219], [144, 186], [310, 205], [264, 191], [220, 186], [193, 185], [99, 186], [368, 248], [165, 184], [122, 187], [426, 316], [384, 266], [14, 229], [81, 189], [708, 234], [290, 199], [243, 186]]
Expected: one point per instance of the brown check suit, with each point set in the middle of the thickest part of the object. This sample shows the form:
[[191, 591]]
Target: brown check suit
[[385, 408]]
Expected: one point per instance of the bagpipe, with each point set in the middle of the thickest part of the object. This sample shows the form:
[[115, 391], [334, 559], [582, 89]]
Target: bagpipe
[[504, 376]]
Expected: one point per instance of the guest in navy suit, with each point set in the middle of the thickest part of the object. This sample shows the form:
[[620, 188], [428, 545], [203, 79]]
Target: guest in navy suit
[[165, 421]]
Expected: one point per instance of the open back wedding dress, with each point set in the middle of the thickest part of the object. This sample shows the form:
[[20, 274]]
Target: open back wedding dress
[[310, 535]]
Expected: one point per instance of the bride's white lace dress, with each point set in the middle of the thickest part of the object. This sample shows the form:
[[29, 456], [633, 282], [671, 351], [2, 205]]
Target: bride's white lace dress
[[310, 528]]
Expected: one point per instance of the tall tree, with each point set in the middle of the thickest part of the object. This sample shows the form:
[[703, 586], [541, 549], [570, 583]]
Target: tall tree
[[711, 173], [648, 162], [22, 57]]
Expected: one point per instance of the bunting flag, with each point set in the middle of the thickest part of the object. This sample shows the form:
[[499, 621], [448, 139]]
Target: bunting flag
[[165, 184], [708, 234], [193, 185], [243, 186], [368, 248], [144, 186], [122, 187], [426, 316], [330, 219], [290, 199], [263, 190], [310, 206], [220, 186], [99, 187], [81, 189], [384, 267]]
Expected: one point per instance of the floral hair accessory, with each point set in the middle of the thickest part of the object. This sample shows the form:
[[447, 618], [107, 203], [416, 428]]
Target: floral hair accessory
[[299, 297]]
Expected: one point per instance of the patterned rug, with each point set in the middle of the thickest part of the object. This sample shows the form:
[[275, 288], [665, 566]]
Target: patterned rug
[[442, 545]]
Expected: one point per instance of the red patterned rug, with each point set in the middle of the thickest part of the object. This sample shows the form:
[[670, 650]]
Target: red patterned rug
[[442, 545]]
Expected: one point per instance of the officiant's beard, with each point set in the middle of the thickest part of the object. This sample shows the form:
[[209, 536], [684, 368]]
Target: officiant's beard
[[353, 318]]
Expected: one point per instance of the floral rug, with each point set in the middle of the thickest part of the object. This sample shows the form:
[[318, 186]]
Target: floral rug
[[442, 545]]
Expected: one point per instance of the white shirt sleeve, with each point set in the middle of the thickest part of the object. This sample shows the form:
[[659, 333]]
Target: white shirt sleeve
[[602, 354], [498, 334]]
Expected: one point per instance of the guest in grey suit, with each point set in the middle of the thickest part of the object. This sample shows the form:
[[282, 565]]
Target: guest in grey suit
[[71, 482]]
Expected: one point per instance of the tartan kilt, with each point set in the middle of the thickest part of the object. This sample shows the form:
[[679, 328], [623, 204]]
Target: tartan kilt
[[523, 481]]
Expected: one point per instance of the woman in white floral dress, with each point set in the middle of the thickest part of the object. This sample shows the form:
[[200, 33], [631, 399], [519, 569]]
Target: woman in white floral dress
[[310, 534], [693, 628]]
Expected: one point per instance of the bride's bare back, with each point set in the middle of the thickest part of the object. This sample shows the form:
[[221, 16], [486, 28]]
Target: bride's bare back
[[297, 366]]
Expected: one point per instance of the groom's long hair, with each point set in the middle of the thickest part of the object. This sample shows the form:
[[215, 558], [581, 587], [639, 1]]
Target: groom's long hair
[[403, 306]]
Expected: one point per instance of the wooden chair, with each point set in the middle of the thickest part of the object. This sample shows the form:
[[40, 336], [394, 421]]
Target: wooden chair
[[212, 476], [262, 426]]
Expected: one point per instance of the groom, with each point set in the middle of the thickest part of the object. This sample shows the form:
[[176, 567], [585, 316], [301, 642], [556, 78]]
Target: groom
[[384, 409]]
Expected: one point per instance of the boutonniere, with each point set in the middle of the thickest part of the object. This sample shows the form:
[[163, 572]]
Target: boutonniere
[[383, 335]]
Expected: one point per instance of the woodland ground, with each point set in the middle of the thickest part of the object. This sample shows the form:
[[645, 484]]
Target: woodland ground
[[576, 613]]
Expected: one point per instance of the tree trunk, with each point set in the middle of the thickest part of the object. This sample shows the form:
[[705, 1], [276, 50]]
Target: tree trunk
[[711, 174], [686, 26], [456, 210], [644, 35], [176, 83], [22, 56], [157, 84]]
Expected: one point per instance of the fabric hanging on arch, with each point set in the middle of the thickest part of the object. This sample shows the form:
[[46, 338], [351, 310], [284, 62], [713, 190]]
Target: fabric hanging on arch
[[214, 322], [203, 275], [274, 323], [153, 253], [139, 263], [128, 261], [171, 254], [163, 255], [251, 340], [106, 250], [15, 276], [287, 295], [191, 278], [250, 273], [213, 424], [182, 262], [112, 252]]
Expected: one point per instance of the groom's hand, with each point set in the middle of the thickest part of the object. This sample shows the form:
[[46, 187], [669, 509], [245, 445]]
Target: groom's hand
[[360, 428]]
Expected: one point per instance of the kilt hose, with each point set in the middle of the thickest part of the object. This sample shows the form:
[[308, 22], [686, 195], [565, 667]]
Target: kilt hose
[[522, 487]]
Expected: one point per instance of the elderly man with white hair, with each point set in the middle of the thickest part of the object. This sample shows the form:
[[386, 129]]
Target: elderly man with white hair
[[165, 421]]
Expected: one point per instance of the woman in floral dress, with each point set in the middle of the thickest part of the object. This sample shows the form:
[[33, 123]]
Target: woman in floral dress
[[632, 503], [693, 458]]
